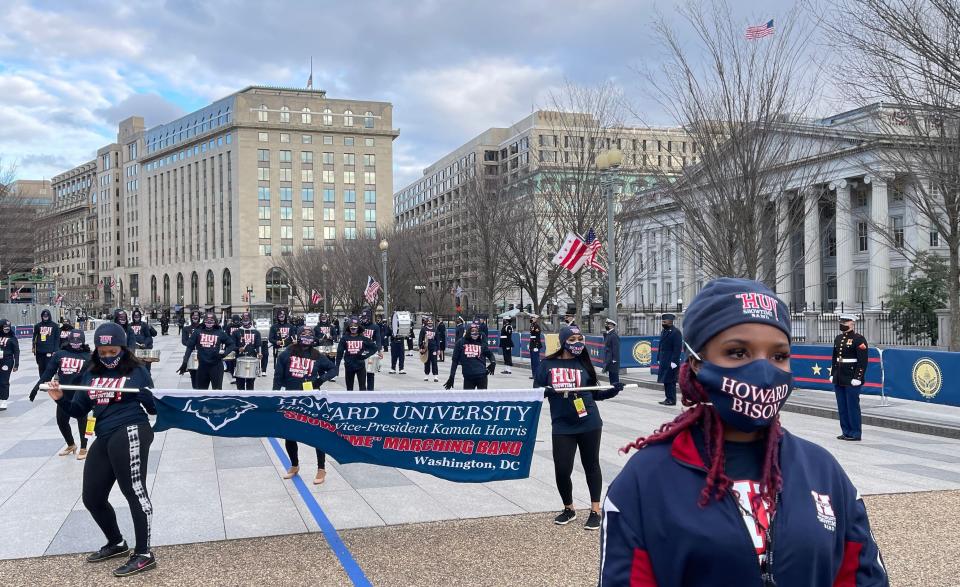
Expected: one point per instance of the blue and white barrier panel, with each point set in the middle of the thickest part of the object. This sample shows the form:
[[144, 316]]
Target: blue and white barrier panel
[[812, 366], [928, 376], [466, 436]]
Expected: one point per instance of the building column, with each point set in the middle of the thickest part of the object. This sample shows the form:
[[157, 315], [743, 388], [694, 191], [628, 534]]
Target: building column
[[811, 247], [846, 233], [879, 247], [689, 275], [785, 257]]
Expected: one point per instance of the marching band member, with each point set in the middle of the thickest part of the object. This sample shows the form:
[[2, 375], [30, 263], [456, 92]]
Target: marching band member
[[371, 331], [323, 331], [335, 329], [386, 331], [120, 317], [460, 330], [65, 328], [67, 366], [9, 360], [230, 364], [211, 344], [723, 494], [120, 452], [303, 367], [185, 334], [575, 420], [535, 344], [247, 340], [281, 334], [430, 345], [441, 340], [142, 333], [396, 352], [506, 345], [473, 354], [353, 350], [46, 340]]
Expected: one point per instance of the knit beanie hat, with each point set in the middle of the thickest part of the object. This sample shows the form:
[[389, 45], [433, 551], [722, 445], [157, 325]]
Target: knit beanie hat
[[729, 301]]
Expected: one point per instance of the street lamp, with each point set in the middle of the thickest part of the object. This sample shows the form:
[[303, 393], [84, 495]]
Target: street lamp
[[679, 305], [249, 296], [384, 245], [419, 289], [323, 276], [608, 162]]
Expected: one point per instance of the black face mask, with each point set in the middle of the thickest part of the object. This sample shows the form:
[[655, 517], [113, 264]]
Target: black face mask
[[667, 326], [844, 328]]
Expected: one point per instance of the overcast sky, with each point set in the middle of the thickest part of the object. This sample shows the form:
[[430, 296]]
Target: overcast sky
[[69, 71]]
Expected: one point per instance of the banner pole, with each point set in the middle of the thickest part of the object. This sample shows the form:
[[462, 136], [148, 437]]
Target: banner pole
[[46, 387]]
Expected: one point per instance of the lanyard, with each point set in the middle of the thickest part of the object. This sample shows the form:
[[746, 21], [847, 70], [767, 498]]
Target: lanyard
[[766, 566]]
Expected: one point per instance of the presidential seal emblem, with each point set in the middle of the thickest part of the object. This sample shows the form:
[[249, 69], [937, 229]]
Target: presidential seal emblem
[[643, 353], [927, 378]]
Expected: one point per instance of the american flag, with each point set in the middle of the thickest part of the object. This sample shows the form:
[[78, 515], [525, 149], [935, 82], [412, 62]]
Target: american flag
[[16, 295], [760, 31], [315, 297], [59, 298], [593, 249], [373, 286]]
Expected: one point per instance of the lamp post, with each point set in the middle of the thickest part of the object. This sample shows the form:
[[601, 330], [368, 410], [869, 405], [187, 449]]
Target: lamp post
[[323, 277], [608, 162], [249, 296], [383, 256], [419, 289]]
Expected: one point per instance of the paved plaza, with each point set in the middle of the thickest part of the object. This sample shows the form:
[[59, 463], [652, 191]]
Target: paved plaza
[[207, 489]]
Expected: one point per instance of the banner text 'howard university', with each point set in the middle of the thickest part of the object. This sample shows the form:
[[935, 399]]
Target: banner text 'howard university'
[[463, 436]]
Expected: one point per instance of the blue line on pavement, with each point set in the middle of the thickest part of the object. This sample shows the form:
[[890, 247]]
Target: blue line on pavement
[[347, 561]]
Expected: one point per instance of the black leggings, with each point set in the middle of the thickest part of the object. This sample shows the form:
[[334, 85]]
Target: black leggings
[[564, 448], [293, 451], [209, 376], [361, 376], [5, 371], [431, 364], [245, 383], [396, 355], [507, 356], [63, 423], [475, 382], [120, 458]]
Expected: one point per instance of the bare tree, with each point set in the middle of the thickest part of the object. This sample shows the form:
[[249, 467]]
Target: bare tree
[[907, 52], [486, 211], [16, 215], [740, 102]]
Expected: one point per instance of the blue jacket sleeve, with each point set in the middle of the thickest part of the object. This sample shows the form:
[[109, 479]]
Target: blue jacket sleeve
[[229, 345], [15, 346], [78, 407], [623, 554], [862, 563], [327, 370], [145, 396], [456, 358], [191, 344], [677, 346], [614, 349]]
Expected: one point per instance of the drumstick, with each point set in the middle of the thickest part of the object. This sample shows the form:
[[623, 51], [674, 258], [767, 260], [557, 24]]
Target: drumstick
[[595, 388], [45, 387]]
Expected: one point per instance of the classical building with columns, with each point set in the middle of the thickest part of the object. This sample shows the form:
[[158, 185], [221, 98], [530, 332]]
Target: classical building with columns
[[847, 227]]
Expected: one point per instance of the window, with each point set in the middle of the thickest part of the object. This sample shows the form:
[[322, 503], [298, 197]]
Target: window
[[329, 233], [263, 154], [349, 196], [263, 173], [349, 159], [668, 292], [327, 140], [370, 196], [328, 176], [667, 261], [369, 160], [370, 232], [328, 158], [286, 156], [284, 114], [286, 213], [368, 119], [227, 287], [263, 137], [284, 137], [263, 194], [897, 279], [862, 239], [306, 156], [329, 214], [305, 116], [308, 232], [264, 231], [347, 141], [306, 175], [350, 214], [934, 238], [350, 233], [861, 199], [369, 142], [328, 195], [307, 213], [347, 118], [263, 212], [262, 113], [286, 232], [306, 194], [896, 223], [286, 174], [286, 194], [266, 250], [370, 177], [210, 287], [370, 215], [327, 117], [860, 281], [306, 139]]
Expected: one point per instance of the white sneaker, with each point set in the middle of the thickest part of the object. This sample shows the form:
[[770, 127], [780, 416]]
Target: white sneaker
[[3, 404], [426, 379], [507, 371], [392, 372], [436, 379], [402, 372]]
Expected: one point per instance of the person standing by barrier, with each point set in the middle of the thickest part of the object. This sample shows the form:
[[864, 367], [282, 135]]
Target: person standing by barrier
[[46, 340], [668, 358], [506, 345], [119, 453], [849, 371], [723, 495], [67, 366], [9, 359], [471, 352], [611, 351], [535, 344], [575, 420]]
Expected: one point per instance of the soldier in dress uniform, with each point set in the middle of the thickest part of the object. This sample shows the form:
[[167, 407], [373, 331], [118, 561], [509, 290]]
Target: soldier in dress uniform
[[536, 343], [506, 345], [848, 374], [668, 357]]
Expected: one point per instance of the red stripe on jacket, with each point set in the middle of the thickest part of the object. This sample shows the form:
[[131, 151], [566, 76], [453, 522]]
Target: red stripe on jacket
[[641, 571], [847, 575]]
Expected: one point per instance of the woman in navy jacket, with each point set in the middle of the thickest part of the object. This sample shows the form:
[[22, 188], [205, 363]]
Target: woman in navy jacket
[[722, 495]]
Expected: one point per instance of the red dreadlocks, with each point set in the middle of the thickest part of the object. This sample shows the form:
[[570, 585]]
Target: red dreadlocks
[[695, 397]]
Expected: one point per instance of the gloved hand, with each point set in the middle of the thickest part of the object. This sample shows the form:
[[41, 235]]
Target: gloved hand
[[548, 390], [448, 384], [673, 365], [856, 382], [182, 369], [618, 386], [491, 368]]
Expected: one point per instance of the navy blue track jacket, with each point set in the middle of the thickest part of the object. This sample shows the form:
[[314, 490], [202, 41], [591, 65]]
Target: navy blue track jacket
[[354, 350], [473, 356], [291, 371], [207, 342], [112, 410]]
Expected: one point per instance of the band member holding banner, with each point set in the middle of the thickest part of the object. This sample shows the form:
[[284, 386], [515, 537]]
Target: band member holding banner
[[535, 344], [281, 334], [247, 340], [575, 420], [119, 453], [429, 347], [67, 366], [46, 340], [142, 333], [353, 350], [677, 512], [506, 345], [9, 359], [303, 367], [185, 334], [473, 353], [211, 344]]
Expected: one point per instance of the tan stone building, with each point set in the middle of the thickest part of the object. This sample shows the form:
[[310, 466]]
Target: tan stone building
[[20, 205]]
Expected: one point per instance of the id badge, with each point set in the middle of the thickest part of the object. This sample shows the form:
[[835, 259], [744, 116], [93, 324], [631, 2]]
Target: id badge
[[91, 423], [43, 338], [580, 407], [308, 386]]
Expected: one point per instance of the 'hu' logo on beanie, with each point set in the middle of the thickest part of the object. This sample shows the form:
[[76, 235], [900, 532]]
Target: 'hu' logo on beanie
[[759, 305]]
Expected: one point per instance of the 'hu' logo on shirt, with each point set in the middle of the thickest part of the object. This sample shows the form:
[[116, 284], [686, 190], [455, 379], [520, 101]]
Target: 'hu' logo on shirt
[[300, 367], [472, 351], [563, 377], [208, 340], [354, 346], [70, 365]]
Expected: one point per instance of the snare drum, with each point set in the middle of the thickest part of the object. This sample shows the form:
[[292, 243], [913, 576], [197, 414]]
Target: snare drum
[[194, 361], [373, 364], [147, 355], [329, 350], [402, 323], [247, 368], [231, 356]]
